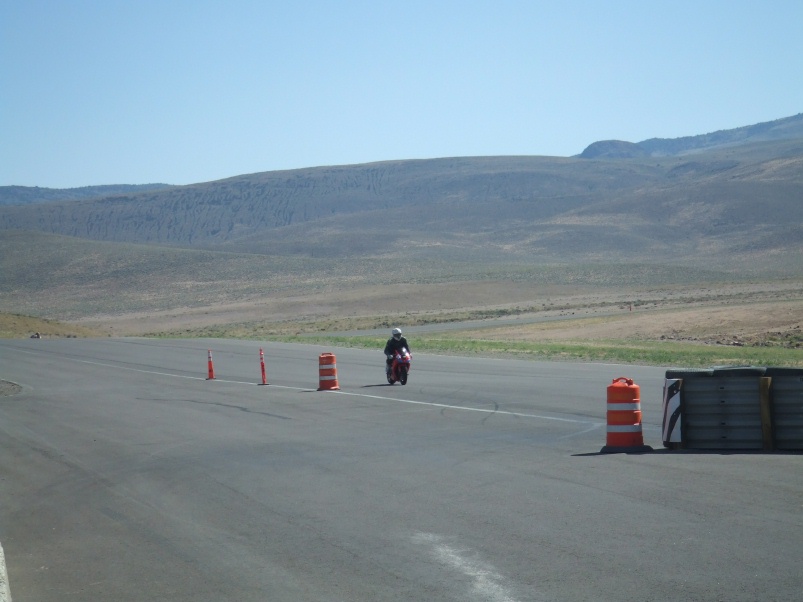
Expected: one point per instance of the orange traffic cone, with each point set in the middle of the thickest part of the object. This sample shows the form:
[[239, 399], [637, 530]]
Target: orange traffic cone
[[262, 366], [624, 418], [327, 366], [210, 367]]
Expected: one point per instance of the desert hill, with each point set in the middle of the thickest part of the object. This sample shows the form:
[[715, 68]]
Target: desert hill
[[726, 206], [714, 204]]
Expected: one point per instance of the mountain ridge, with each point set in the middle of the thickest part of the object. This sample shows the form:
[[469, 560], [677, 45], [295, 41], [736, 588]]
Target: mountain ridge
[[520, 207], [26, 195], [779, 129], [733, 212]]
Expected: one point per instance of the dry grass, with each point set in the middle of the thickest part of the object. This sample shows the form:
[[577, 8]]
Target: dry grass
[[756, 324], [15, 326], [742, 314], [127, 290]]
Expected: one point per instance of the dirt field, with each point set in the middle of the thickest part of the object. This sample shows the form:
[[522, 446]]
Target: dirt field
[[749, 324], [745, 313]]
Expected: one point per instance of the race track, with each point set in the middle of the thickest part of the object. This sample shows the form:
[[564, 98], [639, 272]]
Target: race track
[[126, 475]]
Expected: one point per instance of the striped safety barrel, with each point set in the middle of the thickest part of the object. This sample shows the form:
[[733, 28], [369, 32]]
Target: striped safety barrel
[[624, 417], [327, 368]]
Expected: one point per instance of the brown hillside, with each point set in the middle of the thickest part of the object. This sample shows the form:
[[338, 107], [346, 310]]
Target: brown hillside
[[717, 207], [446, 232]]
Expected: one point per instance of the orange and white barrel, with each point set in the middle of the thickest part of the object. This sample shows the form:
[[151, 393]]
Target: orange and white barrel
[[624, 417], [327, 369]]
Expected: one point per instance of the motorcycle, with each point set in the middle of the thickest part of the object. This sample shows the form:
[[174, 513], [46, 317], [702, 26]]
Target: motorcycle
[[399, 366]]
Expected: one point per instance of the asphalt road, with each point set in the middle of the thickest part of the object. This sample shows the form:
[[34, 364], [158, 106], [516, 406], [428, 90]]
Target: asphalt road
[[126, 475]]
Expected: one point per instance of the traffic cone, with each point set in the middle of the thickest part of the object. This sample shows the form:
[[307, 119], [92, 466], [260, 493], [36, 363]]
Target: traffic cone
[[624, 418], [327, 367], [210, 367], [262, 366]]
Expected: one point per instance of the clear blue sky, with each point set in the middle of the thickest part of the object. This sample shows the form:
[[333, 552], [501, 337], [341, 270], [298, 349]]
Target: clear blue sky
[[184, 91]]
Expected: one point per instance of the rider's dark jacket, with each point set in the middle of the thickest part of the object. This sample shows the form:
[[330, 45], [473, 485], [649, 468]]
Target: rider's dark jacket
[[396, 344]]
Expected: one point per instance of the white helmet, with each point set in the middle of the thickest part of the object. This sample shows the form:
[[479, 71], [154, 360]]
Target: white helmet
[[396, 332]]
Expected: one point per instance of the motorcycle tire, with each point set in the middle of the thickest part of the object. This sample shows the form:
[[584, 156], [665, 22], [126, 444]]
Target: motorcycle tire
[[403, 375]]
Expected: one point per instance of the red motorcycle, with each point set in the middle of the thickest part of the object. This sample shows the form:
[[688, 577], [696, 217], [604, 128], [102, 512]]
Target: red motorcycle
[[400, 366]]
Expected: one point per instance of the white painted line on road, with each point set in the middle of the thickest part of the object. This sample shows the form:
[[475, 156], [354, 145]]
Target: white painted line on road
[[5, 592], [594, 424], [487, 583], [380, 397], [467, 409]]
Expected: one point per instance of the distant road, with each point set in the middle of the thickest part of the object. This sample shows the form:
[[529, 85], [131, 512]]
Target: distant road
[[515, 320], [126, 475]]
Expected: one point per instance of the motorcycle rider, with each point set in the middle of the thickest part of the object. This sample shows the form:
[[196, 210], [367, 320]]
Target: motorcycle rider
[[395, 343]]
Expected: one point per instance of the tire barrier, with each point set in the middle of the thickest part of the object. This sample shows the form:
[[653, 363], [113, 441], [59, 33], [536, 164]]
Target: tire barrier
[[739, 408], [327, 368], [786, 407], [210, 368], [624, 418]]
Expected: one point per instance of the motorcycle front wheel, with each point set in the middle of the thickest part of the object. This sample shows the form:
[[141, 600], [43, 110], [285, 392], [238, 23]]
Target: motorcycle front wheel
[[403, 375]]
